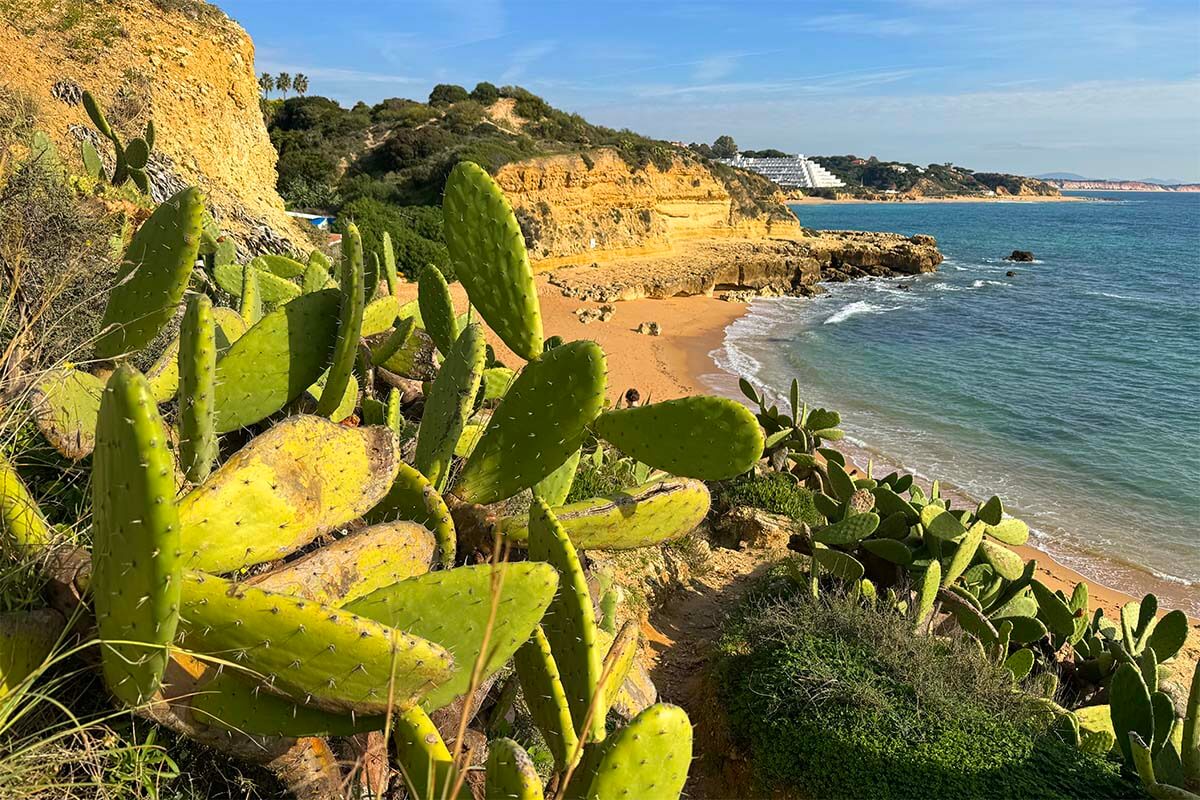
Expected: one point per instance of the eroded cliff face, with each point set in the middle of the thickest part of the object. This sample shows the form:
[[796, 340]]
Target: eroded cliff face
[[183, 64], [577, 209]]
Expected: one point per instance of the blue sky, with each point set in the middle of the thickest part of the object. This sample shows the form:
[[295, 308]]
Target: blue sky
[[1105, 89]]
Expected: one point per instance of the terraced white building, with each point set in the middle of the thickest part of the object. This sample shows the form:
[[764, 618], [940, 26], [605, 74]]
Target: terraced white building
[[793, 172]]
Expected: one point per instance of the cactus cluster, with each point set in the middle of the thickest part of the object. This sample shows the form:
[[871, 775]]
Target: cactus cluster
[[129, 158], [266, 568]]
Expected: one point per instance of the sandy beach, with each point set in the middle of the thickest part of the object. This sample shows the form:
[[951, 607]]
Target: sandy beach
[[1011, 198], [675, 363]]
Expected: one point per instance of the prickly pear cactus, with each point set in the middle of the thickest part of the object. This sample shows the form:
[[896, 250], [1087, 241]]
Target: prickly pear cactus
[[452, 608], [350, 318], [66, 405], [389, 264], [379, 315], [23, 521], [136, 551], [437, 308], [276, 360], [448, 405], [152, 276], [163, 374], [488, 252], [425, 764], [250, 303], [303, 477], [325, 657], [26, 640], [570, 622], [273, 289], [355, 565], [197, 380], [650, 514], [412, 497], [648, 758], [542, 685], [541, 420], [709, 438], [510, 773], [555, 487]]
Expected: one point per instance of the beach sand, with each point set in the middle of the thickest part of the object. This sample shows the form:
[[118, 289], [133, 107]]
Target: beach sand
[[674, 364]]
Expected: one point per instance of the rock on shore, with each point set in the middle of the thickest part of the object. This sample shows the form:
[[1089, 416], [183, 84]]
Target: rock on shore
[[766, 266]]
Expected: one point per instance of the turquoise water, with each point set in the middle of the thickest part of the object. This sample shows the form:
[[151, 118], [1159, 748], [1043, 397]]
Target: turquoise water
[[1071, 389]]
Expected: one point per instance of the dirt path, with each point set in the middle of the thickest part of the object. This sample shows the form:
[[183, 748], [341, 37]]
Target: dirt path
[[681, 636]]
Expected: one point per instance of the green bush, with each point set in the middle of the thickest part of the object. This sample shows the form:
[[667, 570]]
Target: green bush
[[772, 492], [485, 93], [416, 233], [445, 94], [835, 700]]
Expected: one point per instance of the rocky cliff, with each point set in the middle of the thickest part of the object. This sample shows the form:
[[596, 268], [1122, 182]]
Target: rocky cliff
[[1124, 186], [579, 208], [183, 64]]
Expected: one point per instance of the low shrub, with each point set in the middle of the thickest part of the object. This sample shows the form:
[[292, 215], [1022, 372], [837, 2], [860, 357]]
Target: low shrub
[[832, 699], [772, 492], [416, 233]]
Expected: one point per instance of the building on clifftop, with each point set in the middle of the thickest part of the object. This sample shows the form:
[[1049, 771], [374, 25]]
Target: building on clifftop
[[792, 172]]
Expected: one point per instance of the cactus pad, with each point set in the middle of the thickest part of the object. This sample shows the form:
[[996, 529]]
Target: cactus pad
[[163, 374], [448, 404], [555, 487], [350, 318], [1010, 531], [964, 554], [710, 438], [24, 523], [329, 658], [272, 288], [303, 477], [648, 758], [840, 565], [425, 764], [542, 686], [541, 420], [570, 623], [152, 275], [412, 497], [282, 266], [452, 607], [345, 407], [853, 528], [379, 315], [487, 250], [510, 773], [1005, 562], [66, 405], [355, 565], [655, 512], [197, 376], [437, 308], [276, 360], [1131, 708], [136, 551], [26, 639]]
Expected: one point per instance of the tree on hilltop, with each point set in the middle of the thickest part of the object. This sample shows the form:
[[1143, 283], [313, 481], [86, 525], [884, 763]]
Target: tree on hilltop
[[300, 84], [485, 93], [725, 147], [283, 82], [266, 82], [445, 94]]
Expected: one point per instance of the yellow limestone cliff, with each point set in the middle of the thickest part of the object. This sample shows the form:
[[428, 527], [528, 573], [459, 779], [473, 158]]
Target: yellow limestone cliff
[[576, 209], [183, 64]]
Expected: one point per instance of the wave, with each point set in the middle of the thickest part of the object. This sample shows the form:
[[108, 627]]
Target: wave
[[945, 287], [981, 283], [854, 309], [1114, 296]]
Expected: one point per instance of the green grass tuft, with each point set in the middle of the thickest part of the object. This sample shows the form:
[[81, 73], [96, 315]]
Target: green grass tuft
[[772, 492]]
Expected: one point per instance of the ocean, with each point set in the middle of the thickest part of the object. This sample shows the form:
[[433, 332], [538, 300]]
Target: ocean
[[1071, 389]]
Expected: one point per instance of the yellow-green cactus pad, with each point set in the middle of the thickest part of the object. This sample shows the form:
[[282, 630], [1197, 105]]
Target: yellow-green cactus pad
[[648, 758], [163, 374], [272, 288], [541, 420], [276, 360], [511, 774], [710, 438], [303, 477], [448, 404], [488, 252], [23, 520], [152, 276], [66, 405], [136, 551], [26, 639], [452, 607], [325, 657], [653, 513], [412, 497], [546, 698]]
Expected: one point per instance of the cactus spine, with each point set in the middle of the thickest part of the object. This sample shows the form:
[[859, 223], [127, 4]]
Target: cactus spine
[[197, 381]]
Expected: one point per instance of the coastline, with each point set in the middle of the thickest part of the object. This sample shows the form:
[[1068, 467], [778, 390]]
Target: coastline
[[1012, 198]]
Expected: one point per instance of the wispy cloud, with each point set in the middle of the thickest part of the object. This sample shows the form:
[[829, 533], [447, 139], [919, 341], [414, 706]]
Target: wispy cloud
[[715, 67], [832, 82], [524, 57]]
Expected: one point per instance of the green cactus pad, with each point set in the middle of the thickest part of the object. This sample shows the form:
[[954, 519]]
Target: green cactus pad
[[66, 405], [416, 358], [542, 686], [452, 607], [853, 528], [931, 580], [471, 434], [93, 166], [1019, 664], [496, 381], [840, 484], [840, 565], [163, 374], [250, 303], [448, 404], [1168, 635], [1007, 564], [621, 653], [152, 276], [964, 554], [236, 702], [273, 289], [26, 641], [1027, 630], [655, 512], [380, 315], [541, 420], [136, 551], [412, 497], [437, 308], [1096, 729], [1010, 531], [197, 376], [1052, 609], [991, 512], [303, 477], [24, 523], [316, 278], [355, 565], [345, 407], [941, 524], [426, 766], [282, 266], [887, 503], [276, 360], [710, 438], [648, 758], [384, 350], [350, 317], [1130, 705], [328, 658], [389, 264], [570, 623], [511, 774], [889, 550], [555, 487], [487, 250]]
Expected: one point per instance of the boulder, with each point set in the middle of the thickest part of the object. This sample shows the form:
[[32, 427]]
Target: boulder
[[746, 527], [1020, 255]]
